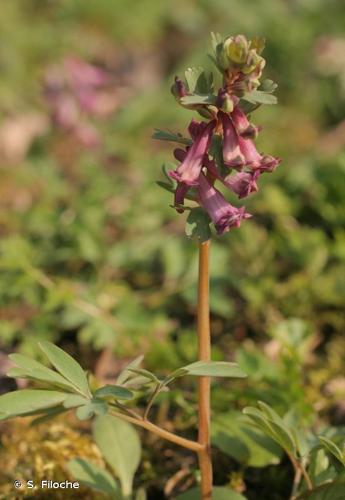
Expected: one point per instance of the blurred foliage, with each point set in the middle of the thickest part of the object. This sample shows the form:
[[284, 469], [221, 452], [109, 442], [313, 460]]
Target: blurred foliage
[[93, 257]]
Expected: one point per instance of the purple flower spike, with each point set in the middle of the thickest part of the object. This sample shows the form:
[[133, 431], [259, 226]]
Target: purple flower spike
[[243, 183], [243, 125], [232, 155], [189, 170], [223, 215]]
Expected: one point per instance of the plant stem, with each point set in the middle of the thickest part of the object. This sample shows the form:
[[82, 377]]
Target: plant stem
[[151, 400], [169, 436], [300, 467], [204, 383]]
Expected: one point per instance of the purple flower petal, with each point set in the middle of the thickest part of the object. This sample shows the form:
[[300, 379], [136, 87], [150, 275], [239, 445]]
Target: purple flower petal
[[223, 215], [189, 170], [242, 124], [243, 183], [232, 155]]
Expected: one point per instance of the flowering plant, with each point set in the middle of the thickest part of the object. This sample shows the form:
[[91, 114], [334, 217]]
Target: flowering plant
[[221, 149]]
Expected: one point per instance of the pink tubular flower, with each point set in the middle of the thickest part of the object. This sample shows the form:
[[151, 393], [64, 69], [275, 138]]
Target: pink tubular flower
[[243, 125], [269, 163], [232, 155], [254, 159], [189, 170], [223, 215], [243, 183]]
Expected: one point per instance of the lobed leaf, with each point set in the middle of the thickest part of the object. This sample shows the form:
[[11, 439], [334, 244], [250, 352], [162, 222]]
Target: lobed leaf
[[166, 135], [25, 401], [32, 369], [67, 366], [198, 224]]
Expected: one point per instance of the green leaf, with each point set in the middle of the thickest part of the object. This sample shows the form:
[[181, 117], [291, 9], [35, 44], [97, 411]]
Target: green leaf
[[144, 373], [25, 401], [48, 414], [67, 366], [198, 224], [29, 368], [166, 135], [120, 446], [333, 449], [93, 476], [126, 374], [259, 97], [272, 425], [214, 369], [115, 391], [268, 86], [166, 186], [239, 440], [328, 491], [219, 493], [216, 39], [94, 407], [190, 100], [75, 400], [198, 82]]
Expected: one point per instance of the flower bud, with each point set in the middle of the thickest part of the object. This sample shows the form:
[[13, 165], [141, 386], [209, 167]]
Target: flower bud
[[236, 49], [225, 101], [178, 89]]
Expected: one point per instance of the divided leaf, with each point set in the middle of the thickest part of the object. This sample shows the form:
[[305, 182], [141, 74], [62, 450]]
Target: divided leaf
[[198, 81], [166, 135], [25, 401], [67, 366], [31, 369], [195, 99], [198, 224], [260, 97]]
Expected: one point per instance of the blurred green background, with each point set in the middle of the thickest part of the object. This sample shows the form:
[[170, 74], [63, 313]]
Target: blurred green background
[[94, 258]]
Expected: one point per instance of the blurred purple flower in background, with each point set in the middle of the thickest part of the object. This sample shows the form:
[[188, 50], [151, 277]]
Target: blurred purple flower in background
[[74, 92]]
